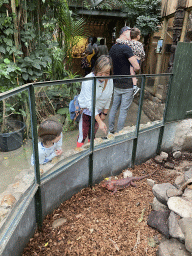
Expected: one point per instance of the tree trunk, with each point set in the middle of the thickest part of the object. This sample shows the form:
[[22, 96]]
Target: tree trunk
[[13, 6]]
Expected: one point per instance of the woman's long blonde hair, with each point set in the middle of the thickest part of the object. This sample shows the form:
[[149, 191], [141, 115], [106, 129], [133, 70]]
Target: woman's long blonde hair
[[102, 62]]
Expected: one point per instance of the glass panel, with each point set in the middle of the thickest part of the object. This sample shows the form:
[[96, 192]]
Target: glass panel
[[155, 95], [17, 174], [122, 124], [53, 103]]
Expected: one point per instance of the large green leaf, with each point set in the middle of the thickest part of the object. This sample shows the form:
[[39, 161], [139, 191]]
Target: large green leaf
[[27, 59], [36, 65], [8, 31], [2, 49], [25, 76], [63, 111]]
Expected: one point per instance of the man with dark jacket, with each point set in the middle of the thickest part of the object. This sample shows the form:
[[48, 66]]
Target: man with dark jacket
[[122, 57]]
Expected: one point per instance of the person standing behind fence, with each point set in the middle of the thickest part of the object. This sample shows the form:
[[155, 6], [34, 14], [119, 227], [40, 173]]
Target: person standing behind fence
[[138, 50], [102, 49], [139, 53], [122, 57], [104, 90], [50, 144], [92, 46]]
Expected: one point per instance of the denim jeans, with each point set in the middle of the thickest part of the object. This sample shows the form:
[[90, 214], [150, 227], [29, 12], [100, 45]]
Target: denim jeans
[[122, 98]]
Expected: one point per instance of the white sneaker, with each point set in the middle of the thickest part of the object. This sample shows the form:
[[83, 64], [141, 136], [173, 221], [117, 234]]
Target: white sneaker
[[135, 90]]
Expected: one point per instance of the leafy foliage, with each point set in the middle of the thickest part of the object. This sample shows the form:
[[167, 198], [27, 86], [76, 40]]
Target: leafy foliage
[[8, 74], [72, 27], [144, 14], [147, 24]]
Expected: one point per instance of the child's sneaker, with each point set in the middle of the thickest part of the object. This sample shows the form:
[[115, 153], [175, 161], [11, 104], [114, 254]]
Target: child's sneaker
[[135, 90]]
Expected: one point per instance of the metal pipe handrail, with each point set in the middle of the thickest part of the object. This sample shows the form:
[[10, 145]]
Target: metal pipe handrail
[[67, 81]]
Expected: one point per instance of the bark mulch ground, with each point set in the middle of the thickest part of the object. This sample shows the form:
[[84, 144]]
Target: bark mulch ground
[[99, 223]]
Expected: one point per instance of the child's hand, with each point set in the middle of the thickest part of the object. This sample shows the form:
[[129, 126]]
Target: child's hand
[[59, 152]]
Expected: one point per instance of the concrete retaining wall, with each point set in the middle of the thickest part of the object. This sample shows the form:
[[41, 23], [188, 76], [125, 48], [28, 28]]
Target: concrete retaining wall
[[70, 179]]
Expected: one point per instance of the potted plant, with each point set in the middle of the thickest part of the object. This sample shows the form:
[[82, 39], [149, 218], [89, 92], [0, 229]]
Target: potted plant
[[11, 126], [12, 136]]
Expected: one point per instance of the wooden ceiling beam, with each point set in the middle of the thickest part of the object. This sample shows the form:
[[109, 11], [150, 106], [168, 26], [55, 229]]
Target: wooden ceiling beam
[[101, 13]]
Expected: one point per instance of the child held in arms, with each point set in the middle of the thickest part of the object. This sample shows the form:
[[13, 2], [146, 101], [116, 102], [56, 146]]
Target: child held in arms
[[139, 53], [50, 141]]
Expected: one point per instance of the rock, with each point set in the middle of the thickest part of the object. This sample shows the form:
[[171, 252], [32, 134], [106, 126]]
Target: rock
[[188, 193], [3, 213], [179, 180], [186, 154], [59, 222], [172, 247], [164, 155], [187, 143], [182, 165], [177, 154], [156, 100], [187, 168], [183, 139], [158, 159], [150, 182], [183, 186], [186, 227], [181, 206], [159, 221], [159, 96], [188, 174], [127, 174], [160, 191], [174, 192], [169, 165], [157, 206], [8, 201], [174, 228]]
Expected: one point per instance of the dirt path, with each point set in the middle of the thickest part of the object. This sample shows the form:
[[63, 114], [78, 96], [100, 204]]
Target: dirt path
[[99, 223]]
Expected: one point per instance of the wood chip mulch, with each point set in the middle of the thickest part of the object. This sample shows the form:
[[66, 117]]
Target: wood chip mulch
[[99, 223]]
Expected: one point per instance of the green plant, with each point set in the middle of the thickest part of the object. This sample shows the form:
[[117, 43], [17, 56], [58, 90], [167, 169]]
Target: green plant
[[30, 35], [16, 107], [147, 24], [69, 124], [72, 26], [73, 88], [64, 93], [56, 68], [9, 72]]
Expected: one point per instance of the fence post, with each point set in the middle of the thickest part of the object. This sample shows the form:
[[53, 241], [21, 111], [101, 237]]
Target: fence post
[[92, 133], [38, 203], [138, 120], [164, 117]]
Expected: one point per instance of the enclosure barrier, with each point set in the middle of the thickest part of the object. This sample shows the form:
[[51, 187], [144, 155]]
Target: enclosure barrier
[[86, 168]]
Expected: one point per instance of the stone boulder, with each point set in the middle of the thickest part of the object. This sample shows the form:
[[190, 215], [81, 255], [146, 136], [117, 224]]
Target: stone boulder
[[172, 247], [160, 192]]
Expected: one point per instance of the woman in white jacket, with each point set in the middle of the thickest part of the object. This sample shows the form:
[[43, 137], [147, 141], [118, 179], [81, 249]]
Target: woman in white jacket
[[104, 90]]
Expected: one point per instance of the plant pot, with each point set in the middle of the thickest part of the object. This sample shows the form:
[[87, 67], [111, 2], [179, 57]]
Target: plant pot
[[14, 138]]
